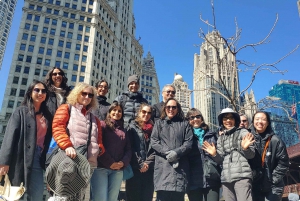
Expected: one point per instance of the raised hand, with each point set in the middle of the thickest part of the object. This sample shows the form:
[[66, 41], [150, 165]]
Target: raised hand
[[247, 141], [209, 148]]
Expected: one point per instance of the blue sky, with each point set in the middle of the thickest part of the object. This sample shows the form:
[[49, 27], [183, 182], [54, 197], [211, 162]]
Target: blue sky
[[169, 30]]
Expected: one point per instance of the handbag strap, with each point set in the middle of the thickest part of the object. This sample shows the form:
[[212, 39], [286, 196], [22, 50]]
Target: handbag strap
[[90, 132], [265, 151]]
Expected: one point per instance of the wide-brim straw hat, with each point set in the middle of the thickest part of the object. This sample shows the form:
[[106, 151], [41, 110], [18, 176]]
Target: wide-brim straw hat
[[66, 176]]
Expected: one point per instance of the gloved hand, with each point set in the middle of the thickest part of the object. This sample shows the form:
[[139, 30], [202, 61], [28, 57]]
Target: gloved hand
[[171, 156], [175, 164]]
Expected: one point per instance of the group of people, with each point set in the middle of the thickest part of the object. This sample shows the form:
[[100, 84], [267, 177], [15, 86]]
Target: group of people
[[169, 152]]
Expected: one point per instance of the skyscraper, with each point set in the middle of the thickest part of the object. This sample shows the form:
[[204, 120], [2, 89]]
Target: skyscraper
[[298, 3], [149, 82], [183, 93], [89, 40], [7, 9], [209, 94]]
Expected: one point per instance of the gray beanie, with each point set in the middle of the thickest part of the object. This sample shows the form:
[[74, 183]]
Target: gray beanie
[[133, 78]]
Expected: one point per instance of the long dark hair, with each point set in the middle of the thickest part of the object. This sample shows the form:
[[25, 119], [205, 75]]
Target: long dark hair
[[108, 120], [138, 120], [192, 111], [179, 114], [99, 82], [269, 128], [28, 99], [49, 81]]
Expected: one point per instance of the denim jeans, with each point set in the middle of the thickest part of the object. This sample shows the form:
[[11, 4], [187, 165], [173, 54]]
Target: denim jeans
[[36, 183], [106, 184]]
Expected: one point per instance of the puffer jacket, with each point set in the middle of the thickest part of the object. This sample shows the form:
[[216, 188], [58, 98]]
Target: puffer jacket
[[276, 162], [234, 159], [78, 125], [141, 152], [103, 107], [131, 103], [171, 134], [204, 171]]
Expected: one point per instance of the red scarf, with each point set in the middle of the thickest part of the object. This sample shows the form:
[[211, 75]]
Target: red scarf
[[147, 130]]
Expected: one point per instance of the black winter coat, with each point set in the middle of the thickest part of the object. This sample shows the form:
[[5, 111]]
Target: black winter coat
[[52, 101], [19, 145], [103, 107], [204, 171], [276, 162], [140, 147], [131, 103], [156, 112], [176, 135]]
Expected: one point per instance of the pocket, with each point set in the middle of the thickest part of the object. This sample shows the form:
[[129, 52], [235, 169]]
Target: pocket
[[211, 170]]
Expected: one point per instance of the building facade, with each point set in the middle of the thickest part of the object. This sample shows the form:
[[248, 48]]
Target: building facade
[[90, 40], [149, 81], [248, 103], [212, 67], [7, 9], [183, 93]]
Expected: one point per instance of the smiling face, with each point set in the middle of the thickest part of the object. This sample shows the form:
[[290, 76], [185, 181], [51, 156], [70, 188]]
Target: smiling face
[[133, 86], [116, 113], [195, 120], [102, 89], [145, 113], [38, 94], [244, 122], [228, 121], [85, 97], [260, 122], [171, 109], [168, 92], [56, 77]]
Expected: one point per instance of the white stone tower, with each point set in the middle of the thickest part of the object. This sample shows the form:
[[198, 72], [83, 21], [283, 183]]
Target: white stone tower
[[183, 93]]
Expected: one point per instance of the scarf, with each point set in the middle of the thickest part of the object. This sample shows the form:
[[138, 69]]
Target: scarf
[[147, 130], [199, 133]]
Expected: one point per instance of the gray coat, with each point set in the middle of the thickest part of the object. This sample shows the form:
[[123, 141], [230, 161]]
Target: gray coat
[[177, 135], [234, 159], [19, 144]]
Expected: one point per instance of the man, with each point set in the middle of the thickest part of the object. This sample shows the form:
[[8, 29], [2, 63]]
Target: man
[[169, 91], [244, 122]]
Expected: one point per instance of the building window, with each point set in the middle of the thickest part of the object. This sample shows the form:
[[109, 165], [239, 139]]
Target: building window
[[21, 93], [83, 8], [62, 33], [51, 41], [41, 50], [89, 19], [66, 14], [31, 6], [82, 69], [34, 28], [74, 78], [79, 37], [7, 116], [43, 40], [54, 22], [67, 5], [27, 26], [30, 48], [81, 18], [68, 45], [15, 80], [23, 47], [85, 48], [45, 30], [37, 71], [71, 26], [24, 81], [49, 10], [81, 78], [76, 57], [13, 92], [25, 36], [60, 43], [90, 10], [84, 58], [57, 64], [65, 65], [37, 18], [87, 29], [64, 24], [39, 8], [26, 70], [45, 72], [57, 3], [75, 67], [59, 54], [67, 55], [29, 16], [20, 57], [10, 104], [56, 12], [80, 27], [18, 68], [78, 46], [32, 38], [70, 35], [47, 62], [52, 31], [49, 52], [73, 16], [86, 39]]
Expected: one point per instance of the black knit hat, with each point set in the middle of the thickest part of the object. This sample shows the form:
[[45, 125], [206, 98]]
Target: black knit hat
[[133, 78]]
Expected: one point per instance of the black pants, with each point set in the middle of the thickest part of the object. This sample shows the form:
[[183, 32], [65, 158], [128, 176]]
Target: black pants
[[204, 194], [140, 187], [169, 196]]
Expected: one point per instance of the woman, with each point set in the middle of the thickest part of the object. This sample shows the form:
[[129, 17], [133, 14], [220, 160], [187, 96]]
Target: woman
[[131, 99], [272, 157], [103, 105], [56, 82], [205, 182], [234, 147], [171, 139], [72, 122], [26, 142], [107, 178], [140, 186]]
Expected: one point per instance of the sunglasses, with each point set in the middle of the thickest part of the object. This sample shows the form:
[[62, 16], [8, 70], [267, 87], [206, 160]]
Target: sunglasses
[[172, 92], [37, 90], [145, 112], [196, 116], [244, 120], [171, 106], [55, 74], [84, 94], [228, 118], [102, 87]]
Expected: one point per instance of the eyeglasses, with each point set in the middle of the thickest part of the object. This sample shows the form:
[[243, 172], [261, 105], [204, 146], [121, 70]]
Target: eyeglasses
[[244, 120], [55, 74], [169, 91], [37, 90], [145, 112], [196, 116], [84, 94], [228, 118], [102, 87], [174, 107]]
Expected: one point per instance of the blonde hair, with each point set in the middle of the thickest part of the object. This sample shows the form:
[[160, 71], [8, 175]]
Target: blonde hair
[[73, 96]]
